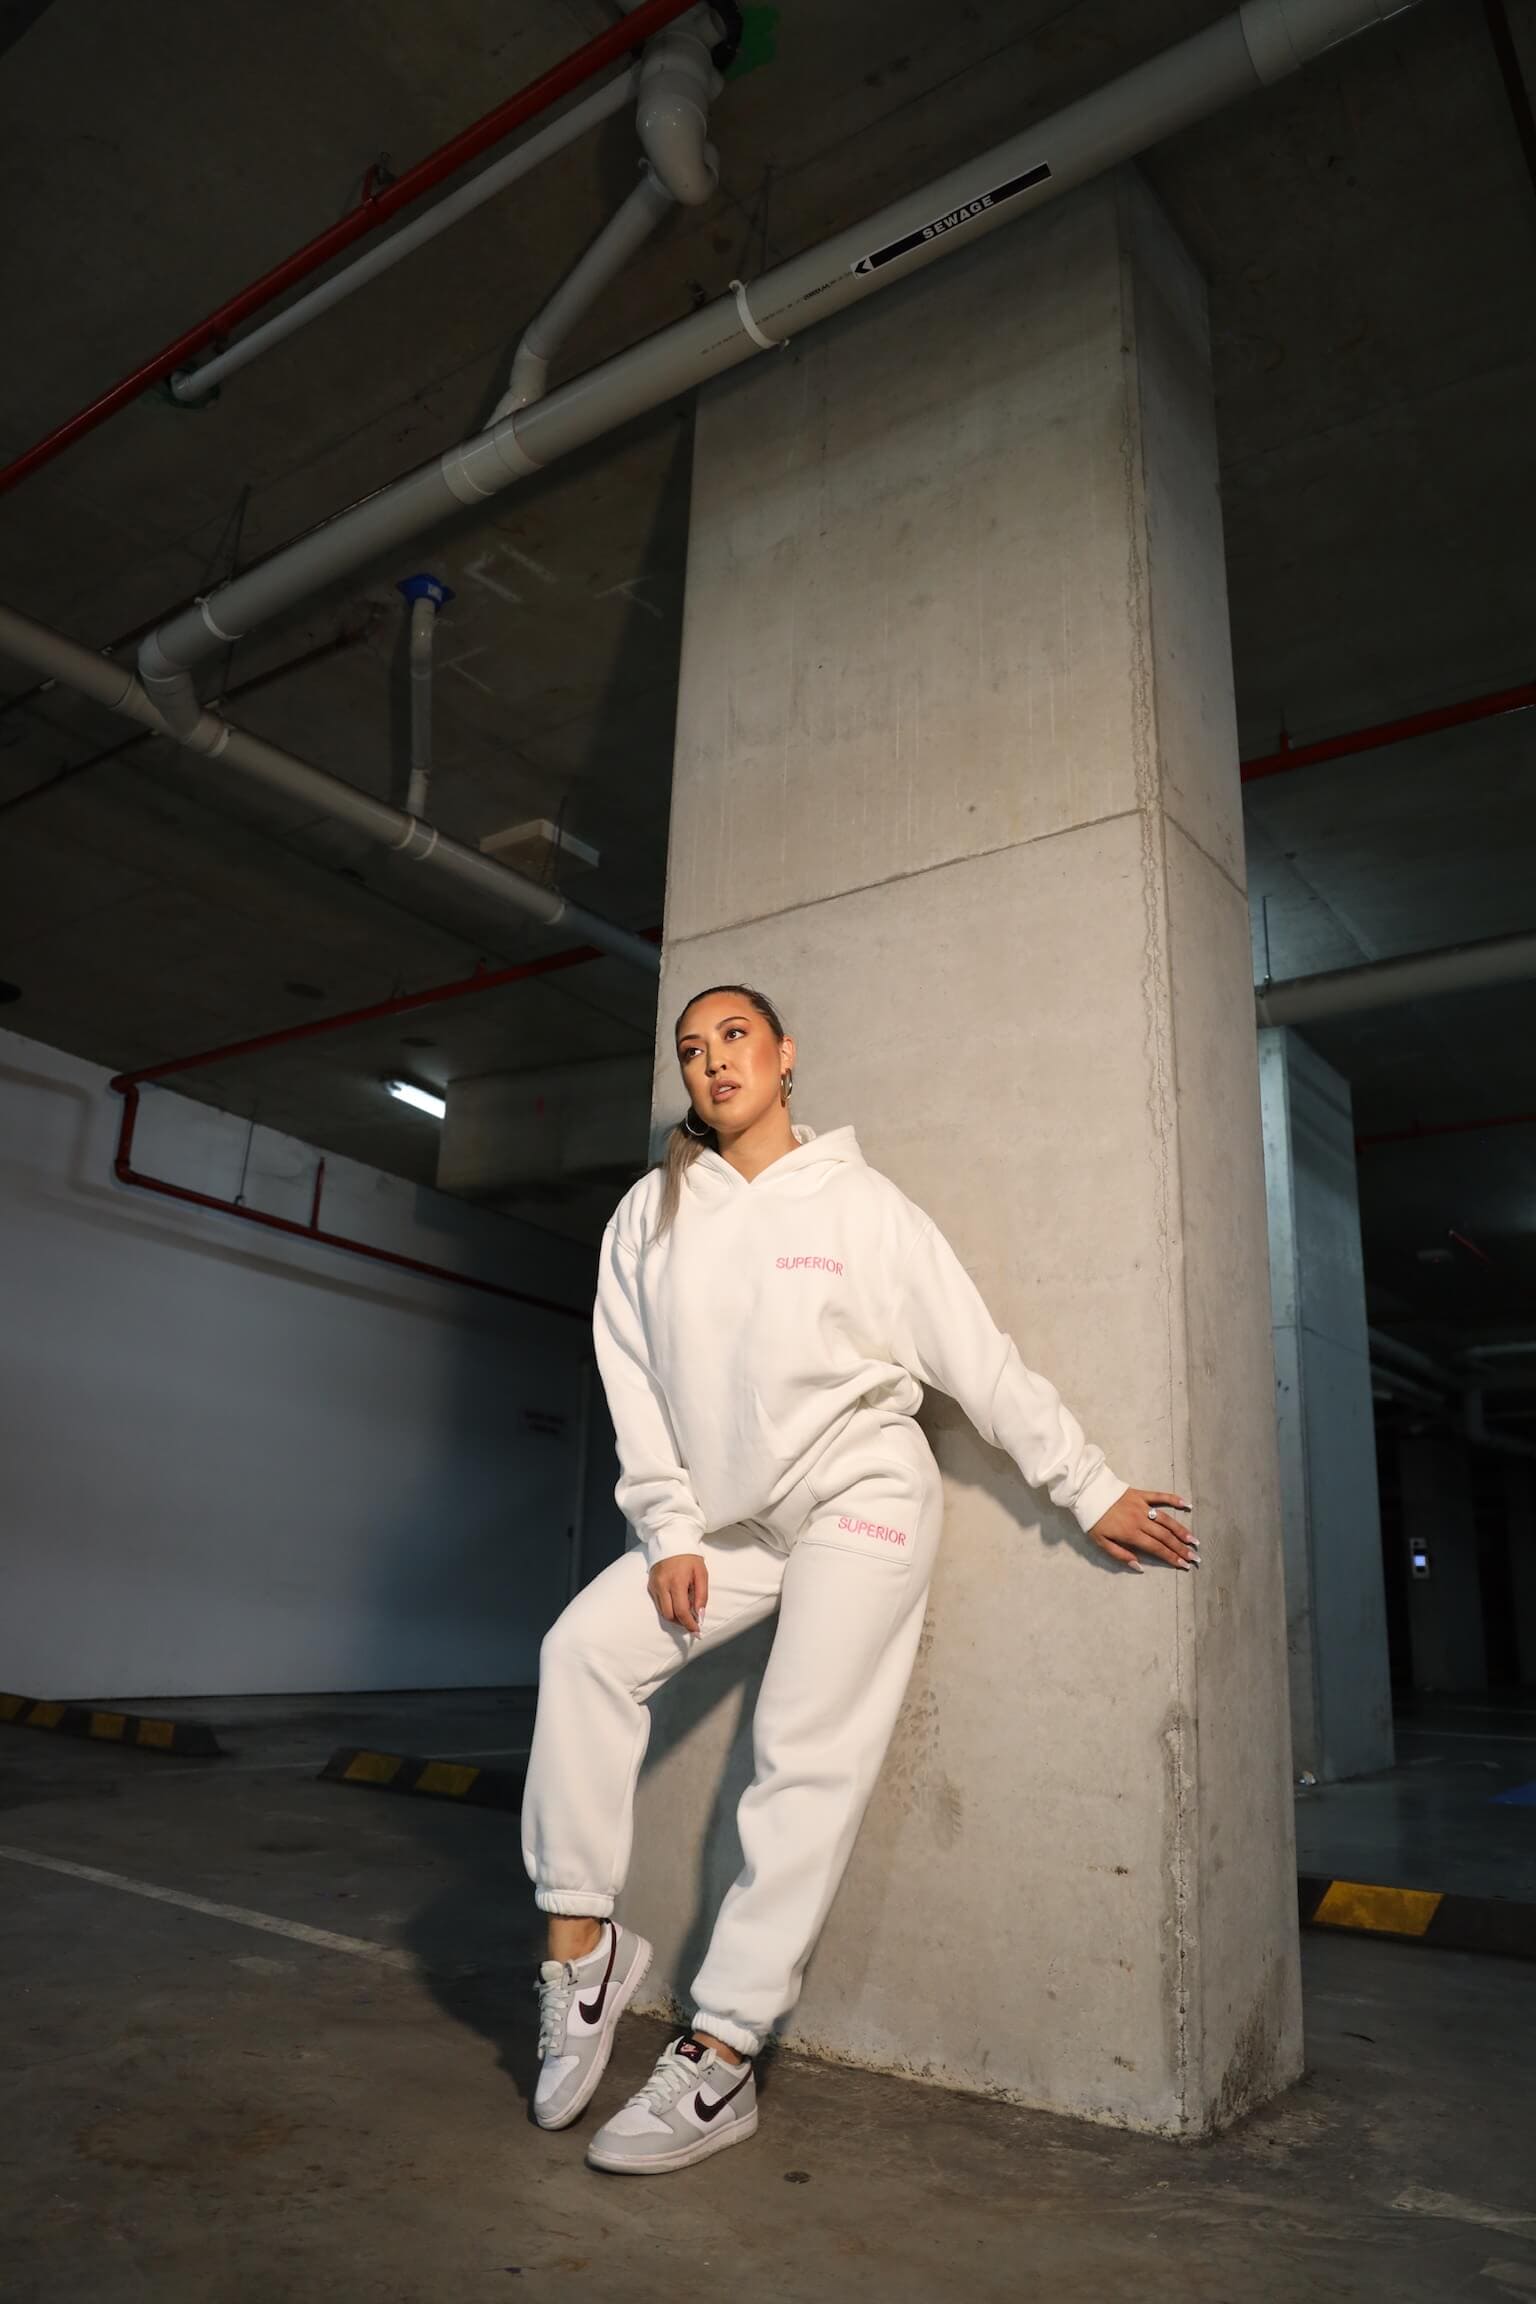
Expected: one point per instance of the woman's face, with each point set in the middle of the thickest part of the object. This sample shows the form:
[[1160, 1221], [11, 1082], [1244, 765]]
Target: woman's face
[[731, 1060]]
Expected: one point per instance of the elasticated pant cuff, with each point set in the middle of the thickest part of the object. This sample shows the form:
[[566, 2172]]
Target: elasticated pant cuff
[[574, 1903], [737, 2036]]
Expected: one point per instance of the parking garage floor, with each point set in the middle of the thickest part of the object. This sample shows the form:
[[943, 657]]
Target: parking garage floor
[[311, 2082], [1457, 1813]]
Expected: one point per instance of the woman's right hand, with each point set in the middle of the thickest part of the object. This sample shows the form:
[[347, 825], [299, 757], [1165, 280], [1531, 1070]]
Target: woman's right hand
[[680, 1587]]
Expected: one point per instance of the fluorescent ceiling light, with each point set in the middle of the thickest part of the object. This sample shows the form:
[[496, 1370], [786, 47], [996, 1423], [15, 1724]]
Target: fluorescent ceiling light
[[421, 1098]]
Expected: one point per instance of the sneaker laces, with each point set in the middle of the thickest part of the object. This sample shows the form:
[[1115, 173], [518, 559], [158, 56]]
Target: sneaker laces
[[554, 2008], [673, 2077]]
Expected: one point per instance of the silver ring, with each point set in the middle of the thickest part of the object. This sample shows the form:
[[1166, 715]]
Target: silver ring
[[1151, 1511]]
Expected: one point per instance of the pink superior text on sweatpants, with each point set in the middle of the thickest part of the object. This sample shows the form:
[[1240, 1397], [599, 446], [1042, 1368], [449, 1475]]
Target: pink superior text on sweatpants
[[872, 1528]]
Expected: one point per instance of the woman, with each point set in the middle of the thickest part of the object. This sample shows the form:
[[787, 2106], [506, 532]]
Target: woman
[[768, 1309]]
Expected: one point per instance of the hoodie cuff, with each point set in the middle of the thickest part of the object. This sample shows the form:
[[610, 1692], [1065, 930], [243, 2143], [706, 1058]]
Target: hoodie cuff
[[674, 1539], [1104, 1489]]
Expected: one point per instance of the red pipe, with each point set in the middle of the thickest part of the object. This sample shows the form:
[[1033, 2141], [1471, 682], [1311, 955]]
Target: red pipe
[[374, 209], [1488, 707], [483, 980], [126, 1173], [127, 1085], [1446, 1128]]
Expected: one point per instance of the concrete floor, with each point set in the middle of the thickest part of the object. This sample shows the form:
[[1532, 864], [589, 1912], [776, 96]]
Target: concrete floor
[[1442, 1818], [198, 2108]]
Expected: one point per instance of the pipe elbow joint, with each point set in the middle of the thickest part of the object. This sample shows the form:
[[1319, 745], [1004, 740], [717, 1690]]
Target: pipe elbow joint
[[676, 147], [527, 383], [678, 82], [168, 685]]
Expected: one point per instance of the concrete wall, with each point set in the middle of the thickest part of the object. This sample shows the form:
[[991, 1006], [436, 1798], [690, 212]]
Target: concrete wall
[[957, 780], [235, 1462], [1341, 1691]]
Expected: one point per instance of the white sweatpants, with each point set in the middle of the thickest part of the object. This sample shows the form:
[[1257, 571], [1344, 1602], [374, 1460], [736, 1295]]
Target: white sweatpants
[[846, 1559]]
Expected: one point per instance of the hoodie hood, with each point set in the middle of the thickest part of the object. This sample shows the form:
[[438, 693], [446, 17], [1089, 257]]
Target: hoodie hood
[[814, 1163]]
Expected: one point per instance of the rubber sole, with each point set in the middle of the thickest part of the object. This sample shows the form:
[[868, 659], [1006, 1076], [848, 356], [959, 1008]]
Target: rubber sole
[[662, 2164], [621, 1997]]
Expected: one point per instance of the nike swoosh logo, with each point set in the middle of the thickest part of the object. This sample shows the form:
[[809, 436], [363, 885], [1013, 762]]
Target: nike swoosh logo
[[593, 2009], [708, 2112]]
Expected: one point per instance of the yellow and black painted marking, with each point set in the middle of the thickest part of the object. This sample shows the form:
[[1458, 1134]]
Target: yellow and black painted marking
[[1421, 1916], [186, 1738], [438, 1779]]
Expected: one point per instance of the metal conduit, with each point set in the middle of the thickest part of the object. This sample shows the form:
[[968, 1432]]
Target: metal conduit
[[1389, 983]]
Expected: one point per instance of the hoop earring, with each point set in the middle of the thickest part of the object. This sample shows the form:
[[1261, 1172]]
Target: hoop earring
[[786, 1085], [698, 1134]]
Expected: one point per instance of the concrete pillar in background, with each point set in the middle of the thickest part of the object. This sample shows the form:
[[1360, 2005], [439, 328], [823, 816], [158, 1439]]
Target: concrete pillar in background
[[956, 780], [1520, 1492], [1341, 1691], [1445, 1605]]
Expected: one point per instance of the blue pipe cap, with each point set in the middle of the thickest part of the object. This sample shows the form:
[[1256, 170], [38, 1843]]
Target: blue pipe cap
[[426, 588]]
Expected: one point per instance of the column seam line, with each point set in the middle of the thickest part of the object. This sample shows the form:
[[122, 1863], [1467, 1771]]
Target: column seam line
[[1162, 1059], [895, 879], [946, 864]]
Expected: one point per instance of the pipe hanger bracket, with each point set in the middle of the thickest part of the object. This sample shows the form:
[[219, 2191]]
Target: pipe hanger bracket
[[744, 315]]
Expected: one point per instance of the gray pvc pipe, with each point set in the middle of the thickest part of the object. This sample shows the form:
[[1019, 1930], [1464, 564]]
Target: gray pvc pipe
[[1389, 983], [423, 634], [192, 385], [73, 666], [1475, 1426], [620, 240], [1241, 52]]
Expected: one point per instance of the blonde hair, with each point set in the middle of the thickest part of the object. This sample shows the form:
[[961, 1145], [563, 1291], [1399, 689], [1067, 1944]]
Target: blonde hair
[[683, 1146]]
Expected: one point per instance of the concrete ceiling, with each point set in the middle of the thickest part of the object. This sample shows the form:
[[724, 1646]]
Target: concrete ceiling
[[1369, 233]]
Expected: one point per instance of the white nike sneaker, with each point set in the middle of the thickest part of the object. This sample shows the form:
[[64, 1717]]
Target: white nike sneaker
[[693, 2104], [580, 2002]]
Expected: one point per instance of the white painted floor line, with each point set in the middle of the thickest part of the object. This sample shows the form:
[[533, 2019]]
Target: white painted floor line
[[1467, 1735], [385, 1955]]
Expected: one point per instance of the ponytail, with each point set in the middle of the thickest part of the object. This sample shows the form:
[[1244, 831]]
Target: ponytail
[[682, 1150]]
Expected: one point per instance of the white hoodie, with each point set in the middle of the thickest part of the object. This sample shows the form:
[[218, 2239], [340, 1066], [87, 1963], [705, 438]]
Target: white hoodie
[[736, 1345]]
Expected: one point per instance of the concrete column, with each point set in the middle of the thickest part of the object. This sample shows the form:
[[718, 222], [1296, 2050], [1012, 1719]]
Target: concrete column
[[1520, 1492], [956, 781], [1336, 1620], [1445, 1606]]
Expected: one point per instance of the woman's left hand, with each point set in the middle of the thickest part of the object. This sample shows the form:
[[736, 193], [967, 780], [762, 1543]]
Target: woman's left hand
[[1136, 1522]]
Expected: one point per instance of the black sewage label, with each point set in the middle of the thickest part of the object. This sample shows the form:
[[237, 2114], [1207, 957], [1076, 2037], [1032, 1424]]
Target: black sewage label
[[879, 257]]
